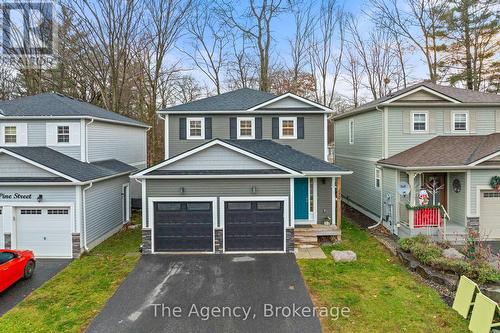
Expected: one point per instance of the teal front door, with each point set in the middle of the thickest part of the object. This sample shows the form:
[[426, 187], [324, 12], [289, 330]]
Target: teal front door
[[301, 198]]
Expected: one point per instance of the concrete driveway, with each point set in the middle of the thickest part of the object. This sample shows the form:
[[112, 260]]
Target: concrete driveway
[[45, 270], [210, 293]]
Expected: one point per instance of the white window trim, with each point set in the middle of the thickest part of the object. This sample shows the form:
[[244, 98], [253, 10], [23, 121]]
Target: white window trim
[[350, 131], [238, 122], [294, 119], [467, 121], [426, 122], [21, 134], [378, 176], [188, 129], [51, 137]]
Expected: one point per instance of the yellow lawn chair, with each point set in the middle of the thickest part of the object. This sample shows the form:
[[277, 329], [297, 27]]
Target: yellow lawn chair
[[483, 314], [464, 298]]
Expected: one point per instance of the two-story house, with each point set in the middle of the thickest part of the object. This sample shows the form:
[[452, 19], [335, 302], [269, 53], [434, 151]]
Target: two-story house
[[64, 173], [241, 170], [424, 161]]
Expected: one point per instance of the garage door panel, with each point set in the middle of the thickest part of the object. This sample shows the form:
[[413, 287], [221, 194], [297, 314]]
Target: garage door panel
[[489, 222], [183, 226], [258, 227]]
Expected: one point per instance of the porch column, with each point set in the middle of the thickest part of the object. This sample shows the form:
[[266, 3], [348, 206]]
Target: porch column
[[338, 196], [411, 179]]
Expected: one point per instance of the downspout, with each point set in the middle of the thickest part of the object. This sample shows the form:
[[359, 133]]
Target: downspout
[[381, 196], [85, 218], [87, 142]]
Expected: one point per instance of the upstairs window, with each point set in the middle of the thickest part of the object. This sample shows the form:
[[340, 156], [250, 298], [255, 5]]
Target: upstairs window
[[246, 128], [351, 131], [62, 134], [419, 122], [460, 122], [10, 134], [196, 128], [378, 178], [288, 128]]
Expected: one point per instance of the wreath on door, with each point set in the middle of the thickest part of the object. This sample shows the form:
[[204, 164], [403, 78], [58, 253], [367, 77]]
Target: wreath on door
[[495, 183]]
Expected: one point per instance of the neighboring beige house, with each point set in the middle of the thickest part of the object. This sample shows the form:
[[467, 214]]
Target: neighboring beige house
[[424, 160]]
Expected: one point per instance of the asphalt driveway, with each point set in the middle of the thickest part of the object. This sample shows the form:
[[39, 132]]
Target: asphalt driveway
[[45, 270], [210, 293]]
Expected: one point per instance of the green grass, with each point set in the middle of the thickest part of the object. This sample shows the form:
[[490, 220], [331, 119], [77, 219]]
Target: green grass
[[69, 301], [381, 294]]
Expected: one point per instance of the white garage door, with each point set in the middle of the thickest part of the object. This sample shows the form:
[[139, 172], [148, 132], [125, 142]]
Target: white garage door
[[45, 231], [489, 220], [1, 229]]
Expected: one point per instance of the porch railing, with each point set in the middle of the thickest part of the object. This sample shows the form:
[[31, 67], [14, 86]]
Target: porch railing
[[427, 217]]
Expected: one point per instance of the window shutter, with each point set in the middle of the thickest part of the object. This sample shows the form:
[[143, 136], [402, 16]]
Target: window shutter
[[447, 121], [51, 134], [300, 127], [472, 122], [22, 134], [208, 128], [406, 122], [432, 122], [232, 128], [276, 128], [182, 128], [258, 128], [498, 121]]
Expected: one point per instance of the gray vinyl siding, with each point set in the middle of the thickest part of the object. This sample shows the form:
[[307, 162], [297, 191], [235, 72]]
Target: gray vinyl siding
[[479, 178], [217, 187], [359, 187], [457, 201], [312, 144], [37, 136], [485, 119], [13, 167], [324, 199], [217, 158], [103, 207], [368, 136], [112, 141]]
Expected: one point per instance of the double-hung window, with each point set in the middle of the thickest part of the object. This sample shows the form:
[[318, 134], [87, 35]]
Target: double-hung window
[[378, 178], [288, 128], [460, 122], [420, 122], [195, 128], [62, 134], [10, 134], [246, 128]]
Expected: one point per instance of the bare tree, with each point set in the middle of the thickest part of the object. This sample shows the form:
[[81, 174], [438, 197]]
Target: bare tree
[[354, 74], [304, 28], [420, 21], [242, 72], [256, 23], [326, 50]]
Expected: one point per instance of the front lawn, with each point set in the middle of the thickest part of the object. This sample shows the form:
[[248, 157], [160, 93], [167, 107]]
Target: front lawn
[[69, 301], [381, 294]]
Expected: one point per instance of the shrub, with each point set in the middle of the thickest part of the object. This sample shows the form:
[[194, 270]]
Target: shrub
[[426, 253], [407, 244]]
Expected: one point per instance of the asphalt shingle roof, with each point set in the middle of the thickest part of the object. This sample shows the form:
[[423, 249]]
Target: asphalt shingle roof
[[284, 155], [447, 151], [216, 172], [57, 105], [237, 100], [69, 166]]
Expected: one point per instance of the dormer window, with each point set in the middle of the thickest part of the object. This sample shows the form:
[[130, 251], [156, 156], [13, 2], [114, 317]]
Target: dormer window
[[10, 134], [196, 128], [246, 128], [460, 122], [288, 128], [62, 134]]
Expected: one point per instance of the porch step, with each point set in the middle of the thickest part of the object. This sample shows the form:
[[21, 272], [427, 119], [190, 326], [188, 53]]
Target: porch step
[[306, 239], [306, 246]]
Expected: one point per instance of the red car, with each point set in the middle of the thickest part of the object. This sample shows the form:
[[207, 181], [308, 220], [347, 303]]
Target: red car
[[15, 265]]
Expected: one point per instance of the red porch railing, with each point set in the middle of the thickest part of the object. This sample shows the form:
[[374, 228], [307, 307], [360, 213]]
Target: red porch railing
[[427, 217]]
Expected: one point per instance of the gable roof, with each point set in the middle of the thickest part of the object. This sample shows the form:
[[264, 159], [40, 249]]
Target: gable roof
[[241, 100], [68, 167], [458, 95], [447, 151], [57, 105], [281, 157]]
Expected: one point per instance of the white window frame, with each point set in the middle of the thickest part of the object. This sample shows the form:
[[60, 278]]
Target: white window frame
[[52, 134], [238, 122], [282, 119], [21, 134], [68, 134], [351, 131], [426, 113], [378, 177], [16, 135], [188, 128], [453, 114]]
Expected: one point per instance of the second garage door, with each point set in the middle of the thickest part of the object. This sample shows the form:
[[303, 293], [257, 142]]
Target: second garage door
[[45, 231], [489, 222], [183, 226], [254, 225]]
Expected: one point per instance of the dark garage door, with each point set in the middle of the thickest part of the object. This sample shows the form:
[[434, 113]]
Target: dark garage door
[[253, 225], [183, 226]]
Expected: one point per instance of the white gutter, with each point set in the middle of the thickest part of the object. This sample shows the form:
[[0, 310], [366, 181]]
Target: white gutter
[[84, 229], [76, 117], [87, 140]]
